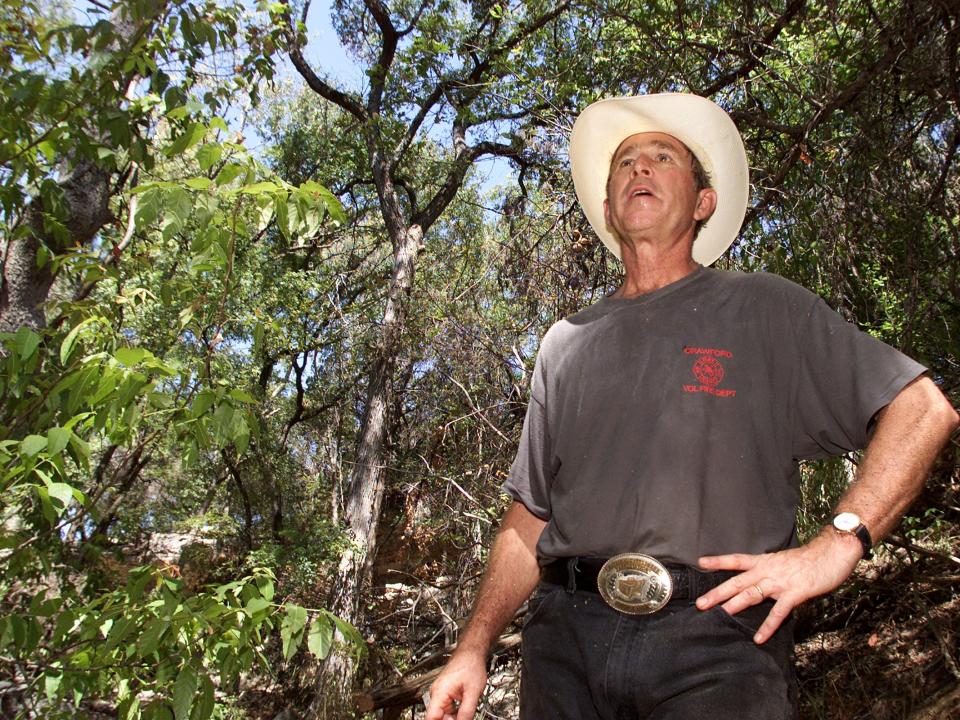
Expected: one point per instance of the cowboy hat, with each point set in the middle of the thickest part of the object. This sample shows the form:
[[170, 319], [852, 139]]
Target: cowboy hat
[[698, 123]]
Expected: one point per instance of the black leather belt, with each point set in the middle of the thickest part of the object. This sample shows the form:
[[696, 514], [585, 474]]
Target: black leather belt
[[580, 573]]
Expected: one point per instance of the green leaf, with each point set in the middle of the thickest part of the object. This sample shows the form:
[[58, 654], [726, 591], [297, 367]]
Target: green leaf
[[337, 213], [130, 356], [48, 149], [129, 709], [256, 605], [203, 708], [119, 632], [242, 396], [179, 204], [157, 710], [61, 492], [266, 215], [282, 209], [296, 618], [57, 439], [291, 629], [66, 347], [202, 403], [32, 444], [209, 155], [349, 632], [198, 183], [139, 578], [320, 637], [25, 342], [184, 690], [190, 137], [51, 684], [148, 207], [260, 188], [151, 636], [265, 586], [229, 172]]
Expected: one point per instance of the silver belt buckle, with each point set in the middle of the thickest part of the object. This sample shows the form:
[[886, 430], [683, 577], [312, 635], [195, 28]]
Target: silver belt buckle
[[635, 584]]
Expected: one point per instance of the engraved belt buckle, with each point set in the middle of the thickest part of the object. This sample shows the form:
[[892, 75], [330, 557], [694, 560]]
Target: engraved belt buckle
[[634, 584]]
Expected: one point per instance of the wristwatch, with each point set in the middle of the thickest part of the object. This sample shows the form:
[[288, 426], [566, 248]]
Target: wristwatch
[[849, 523]]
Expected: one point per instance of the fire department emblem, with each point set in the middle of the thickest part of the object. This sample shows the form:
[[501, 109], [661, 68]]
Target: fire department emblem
[[708, 370]]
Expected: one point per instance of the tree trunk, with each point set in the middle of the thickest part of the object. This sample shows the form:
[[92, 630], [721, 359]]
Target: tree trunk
[[87, 189], [24, 289], [367, 484]]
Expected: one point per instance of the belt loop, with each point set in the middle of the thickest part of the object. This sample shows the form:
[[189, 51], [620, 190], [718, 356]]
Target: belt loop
[[693, 577], [571, 575]]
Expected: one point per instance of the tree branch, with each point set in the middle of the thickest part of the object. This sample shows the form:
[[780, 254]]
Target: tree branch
[[378, 77], [338, 98], [791, 12], [465, 157]]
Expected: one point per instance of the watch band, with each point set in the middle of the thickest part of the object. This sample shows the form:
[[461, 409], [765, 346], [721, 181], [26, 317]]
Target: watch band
[[863, 535]]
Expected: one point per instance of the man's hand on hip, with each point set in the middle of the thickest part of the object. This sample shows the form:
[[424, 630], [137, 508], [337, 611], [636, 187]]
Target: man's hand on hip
[[790, 577], [456, 691]]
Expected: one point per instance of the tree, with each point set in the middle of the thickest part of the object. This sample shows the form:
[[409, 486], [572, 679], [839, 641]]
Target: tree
[[476, 73]]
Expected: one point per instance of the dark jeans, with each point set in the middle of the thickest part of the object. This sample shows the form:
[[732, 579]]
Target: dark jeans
[[583, 660]]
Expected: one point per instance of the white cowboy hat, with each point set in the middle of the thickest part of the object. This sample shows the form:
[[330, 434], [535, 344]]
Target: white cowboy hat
[[698, 123]]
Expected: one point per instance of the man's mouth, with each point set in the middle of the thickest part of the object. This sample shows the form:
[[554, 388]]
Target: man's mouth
[[639, 191]]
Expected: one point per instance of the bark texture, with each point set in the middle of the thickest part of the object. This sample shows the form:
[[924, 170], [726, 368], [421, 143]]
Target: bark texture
[[367, 483], [25, 287]]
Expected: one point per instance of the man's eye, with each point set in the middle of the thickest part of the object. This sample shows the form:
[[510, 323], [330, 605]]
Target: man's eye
[[626, 162], [663, 157]]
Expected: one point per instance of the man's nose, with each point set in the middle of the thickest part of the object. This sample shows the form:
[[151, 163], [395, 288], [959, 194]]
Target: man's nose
[[641, 166]]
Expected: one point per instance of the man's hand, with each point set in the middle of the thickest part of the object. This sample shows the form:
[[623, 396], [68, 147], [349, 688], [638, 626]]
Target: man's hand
[[456, 691], [790, 577]]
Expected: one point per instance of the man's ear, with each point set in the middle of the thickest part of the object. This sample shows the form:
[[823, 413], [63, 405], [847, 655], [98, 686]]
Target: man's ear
[[706, 204], [606, 212]]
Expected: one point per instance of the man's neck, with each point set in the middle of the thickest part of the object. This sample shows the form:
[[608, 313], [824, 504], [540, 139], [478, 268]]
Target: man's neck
[[649, 268]]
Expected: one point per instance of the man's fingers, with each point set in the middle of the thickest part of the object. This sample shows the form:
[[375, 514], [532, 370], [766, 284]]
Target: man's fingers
[[734, 561], [738, 592], [747, 596], [778, 613], [468, 708], [441, 704]]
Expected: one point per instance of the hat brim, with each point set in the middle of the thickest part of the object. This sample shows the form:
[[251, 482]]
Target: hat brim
[[698, 123]]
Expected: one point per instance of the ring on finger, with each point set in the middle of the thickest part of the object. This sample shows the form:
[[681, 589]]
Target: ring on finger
[[760, 590]]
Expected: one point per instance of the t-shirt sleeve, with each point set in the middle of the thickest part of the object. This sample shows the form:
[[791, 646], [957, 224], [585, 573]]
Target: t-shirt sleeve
[[845, 377], [532, 471]]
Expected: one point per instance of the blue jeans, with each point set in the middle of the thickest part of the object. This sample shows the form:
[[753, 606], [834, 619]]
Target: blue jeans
[[583, 660]]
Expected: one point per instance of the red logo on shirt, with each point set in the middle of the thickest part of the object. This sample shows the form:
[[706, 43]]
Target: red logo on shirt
[[708, 370]]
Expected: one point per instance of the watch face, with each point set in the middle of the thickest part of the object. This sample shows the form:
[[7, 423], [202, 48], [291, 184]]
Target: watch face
[[846, 521]]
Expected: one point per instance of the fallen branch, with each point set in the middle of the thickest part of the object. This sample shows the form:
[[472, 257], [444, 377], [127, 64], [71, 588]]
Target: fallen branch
[[411, 691], [900, 542]]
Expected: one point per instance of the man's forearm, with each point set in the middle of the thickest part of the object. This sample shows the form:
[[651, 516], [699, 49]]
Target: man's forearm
[[910, 433], [512, 573]]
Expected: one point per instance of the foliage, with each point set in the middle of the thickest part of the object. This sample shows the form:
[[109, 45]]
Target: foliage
[[130, 366]]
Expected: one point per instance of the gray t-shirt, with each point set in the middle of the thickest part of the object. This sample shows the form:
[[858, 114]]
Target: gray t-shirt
[[671, 423]]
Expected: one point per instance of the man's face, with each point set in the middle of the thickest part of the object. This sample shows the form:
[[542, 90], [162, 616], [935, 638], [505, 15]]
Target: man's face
[[651, 188]]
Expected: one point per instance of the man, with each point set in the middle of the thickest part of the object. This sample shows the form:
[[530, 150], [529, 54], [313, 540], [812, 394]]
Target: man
[[656, 483]]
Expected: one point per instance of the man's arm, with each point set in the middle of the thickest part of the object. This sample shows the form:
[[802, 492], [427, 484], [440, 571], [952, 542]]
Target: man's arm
[[512, 573], [909, 435]]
